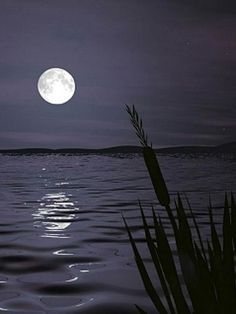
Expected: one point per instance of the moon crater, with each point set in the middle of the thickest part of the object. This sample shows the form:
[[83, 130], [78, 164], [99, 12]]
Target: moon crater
[[56, 86]]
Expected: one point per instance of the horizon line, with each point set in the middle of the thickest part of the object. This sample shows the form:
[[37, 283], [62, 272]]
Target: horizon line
[[113, 147]]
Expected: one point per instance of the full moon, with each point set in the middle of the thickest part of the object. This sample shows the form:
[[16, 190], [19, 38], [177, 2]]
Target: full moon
[[56, 86]]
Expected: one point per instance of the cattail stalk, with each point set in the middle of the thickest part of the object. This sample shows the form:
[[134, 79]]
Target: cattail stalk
[[150, 159], [156, 176]]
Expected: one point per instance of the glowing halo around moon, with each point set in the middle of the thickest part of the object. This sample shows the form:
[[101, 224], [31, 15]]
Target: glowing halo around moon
[[56, 86]]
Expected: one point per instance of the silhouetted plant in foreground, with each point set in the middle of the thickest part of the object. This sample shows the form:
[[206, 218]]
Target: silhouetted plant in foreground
[[207, 268]]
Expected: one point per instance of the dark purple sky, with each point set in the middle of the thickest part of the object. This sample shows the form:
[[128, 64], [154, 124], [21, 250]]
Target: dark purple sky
[[175, 60]]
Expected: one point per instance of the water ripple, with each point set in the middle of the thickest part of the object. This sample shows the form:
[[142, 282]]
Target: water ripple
[[63, 245]]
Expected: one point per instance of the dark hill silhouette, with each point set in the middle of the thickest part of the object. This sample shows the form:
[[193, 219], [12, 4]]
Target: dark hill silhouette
[[111, 150], [228, 147], [224, 148]]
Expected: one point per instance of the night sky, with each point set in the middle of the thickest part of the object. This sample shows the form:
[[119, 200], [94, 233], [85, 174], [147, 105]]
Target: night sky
[[175, 60]]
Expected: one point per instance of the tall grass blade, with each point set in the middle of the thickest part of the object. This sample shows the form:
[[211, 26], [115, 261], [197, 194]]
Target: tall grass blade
[[228, 263], [214, 236], [144, 275], [184, 229], [208, 295], [155, 259], [172, 219], [188, 259], [197, 229], [140, 310], [168, 265], [208, 273], [233, 220], [216, 274]]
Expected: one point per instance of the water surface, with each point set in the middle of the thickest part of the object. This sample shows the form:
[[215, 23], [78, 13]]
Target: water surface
[[63, 246]]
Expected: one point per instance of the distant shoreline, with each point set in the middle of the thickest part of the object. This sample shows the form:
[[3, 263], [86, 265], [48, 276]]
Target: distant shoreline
[[225, 148]]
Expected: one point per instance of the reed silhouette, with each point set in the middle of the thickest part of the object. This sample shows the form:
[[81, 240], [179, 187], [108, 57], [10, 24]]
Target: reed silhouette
[[207, 267]]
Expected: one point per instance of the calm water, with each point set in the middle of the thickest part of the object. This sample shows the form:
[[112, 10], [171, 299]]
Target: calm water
[[63, 246]]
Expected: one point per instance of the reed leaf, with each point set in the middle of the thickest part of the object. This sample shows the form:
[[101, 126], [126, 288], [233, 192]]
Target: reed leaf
[[208, 295], [168, 265], [233, 220], [208, 273], [184, 229], [228, 263], [155, 259], [216, 273], [140, 310], [144, 275], [190, 275], [187, 257], [214, 236], [203, 251], [172, 219]]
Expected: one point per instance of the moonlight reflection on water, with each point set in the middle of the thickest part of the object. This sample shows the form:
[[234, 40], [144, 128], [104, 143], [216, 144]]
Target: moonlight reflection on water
[[63, 245], [55, 214]]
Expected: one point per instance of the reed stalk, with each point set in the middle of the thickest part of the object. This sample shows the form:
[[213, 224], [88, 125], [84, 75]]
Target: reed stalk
[[149, 158], [208, 269]]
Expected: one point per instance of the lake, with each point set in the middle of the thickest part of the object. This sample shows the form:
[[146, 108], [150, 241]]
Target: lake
[[63, 245]]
